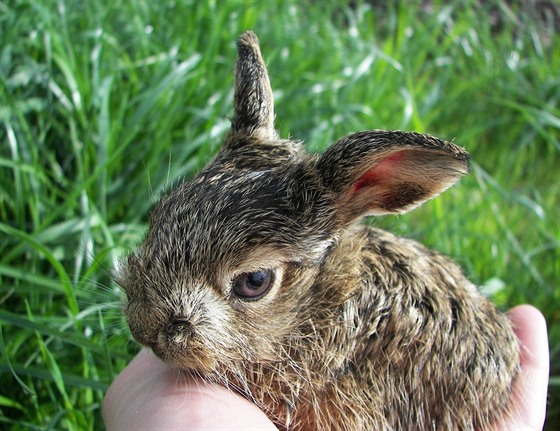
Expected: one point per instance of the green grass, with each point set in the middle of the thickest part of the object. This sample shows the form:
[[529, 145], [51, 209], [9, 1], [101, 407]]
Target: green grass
[[103, 105]]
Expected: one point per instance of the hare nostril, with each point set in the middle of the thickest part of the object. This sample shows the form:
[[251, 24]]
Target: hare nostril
[[177, 326]]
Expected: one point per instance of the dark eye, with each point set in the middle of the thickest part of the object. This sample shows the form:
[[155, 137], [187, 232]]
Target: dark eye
[[253, 285]]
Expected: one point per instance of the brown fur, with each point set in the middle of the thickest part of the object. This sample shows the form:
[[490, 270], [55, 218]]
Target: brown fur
[[360, 330]]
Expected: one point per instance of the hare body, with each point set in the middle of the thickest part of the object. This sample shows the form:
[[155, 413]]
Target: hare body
[[384, 350], [255, 274]]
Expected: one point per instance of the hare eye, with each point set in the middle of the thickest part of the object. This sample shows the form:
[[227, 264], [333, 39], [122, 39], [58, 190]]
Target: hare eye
[[253, 285]]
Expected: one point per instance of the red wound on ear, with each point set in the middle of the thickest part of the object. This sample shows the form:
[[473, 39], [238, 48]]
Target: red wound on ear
[[379, 172]]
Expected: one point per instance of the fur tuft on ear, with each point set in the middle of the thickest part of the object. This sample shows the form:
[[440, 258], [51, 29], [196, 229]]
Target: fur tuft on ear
[[381, 172], [253, 100]]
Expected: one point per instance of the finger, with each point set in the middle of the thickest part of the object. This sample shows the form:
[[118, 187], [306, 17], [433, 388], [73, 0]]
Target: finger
[[150, 395], [530, 388], [124, 402]]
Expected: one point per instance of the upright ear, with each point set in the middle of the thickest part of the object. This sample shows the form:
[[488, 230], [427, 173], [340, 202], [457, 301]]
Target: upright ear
[[381, 172], [253, 101]]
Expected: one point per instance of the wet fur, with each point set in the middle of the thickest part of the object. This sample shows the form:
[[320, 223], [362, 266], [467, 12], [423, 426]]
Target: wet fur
[[361, 330]]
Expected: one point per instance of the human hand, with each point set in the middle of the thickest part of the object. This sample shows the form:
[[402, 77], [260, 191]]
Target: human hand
[[149, 395], [529, 393]]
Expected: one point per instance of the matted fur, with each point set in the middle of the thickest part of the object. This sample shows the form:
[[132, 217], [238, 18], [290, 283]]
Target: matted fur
[[360, 330]]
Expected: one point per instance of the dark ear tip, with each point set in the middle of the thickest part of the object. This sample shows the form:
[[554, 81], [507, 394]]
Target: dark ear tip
[[462, 155], [467, 160], [248, 39], [458, 152]]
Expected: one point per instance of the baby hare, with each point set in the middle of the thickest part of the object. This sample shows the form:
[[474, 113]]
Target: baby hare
[[258, 275]]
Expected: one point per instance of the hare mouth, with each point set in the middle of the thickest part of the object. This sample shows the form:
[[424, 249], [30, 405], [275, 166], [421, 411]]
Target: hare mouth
[[182, 352]]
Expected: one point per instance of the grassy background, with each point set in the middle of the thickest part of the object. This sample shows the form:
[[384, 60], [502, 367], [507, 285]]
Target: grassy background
[[103, 105]]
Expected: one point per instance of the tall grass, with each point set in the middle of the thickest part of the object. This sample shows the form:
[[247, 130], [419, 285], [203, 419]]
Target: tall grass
[[105, 105]]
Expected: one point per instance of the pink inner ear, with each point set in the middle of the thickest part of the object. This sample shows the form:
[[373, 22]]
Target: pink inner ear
[[382, 170]]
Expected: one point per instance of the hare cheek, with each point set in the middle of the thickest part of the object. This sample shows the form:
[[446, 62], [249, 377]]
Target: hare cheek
[[143, 325]]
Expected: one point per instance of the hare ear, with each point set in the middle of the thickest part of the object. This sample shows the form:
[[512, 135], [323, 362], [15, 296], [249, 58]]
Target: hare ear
[[380, 172], [253, 101]]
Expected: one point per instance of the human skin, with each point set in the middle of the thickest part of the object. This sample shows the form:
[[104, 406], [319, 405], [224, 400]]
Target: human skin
[[148, 395], [530, 391]]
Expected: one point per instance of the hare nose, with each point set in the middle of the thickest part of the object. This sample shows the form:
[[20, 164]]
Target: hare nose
[[177, 326]]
